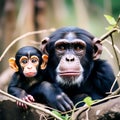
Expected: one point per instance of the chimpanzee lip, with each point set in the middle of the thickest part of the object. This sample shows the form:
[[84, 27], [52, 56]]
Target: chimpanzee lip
[[69, 73], [30, 74]]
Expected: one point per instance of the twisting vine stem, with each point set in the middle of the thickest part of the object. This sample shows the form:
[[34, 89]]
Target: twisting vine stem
[[102, 38], [116, 55], [116, 92], [23, 36]]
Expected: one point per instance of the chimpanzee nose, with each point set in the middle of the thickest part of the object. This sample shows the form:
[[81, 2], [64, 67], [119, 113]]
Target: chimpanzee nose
[[29, 67], [70, 58]]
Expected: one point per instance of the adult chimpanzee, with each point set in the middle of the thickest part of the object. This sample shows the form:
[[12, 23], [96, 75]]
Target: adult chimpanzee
[[75, 66], [27, 63]]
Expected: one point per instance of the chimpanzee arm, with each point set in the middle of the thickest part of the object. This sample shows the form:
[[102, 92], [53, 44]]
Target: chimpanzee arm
[[14, 88], [103, 77], [52, 95]]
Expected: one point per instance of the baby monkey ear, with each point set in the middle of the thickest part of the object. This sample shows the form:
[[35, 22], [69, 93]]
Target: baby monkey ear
[[45, 60], [13, 64]]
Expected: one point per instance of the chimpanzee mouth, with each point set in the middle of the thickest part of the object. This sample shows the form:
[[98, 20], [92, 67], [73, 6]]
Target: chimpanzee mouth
[[30, 74], [69, 78], [69, 73]]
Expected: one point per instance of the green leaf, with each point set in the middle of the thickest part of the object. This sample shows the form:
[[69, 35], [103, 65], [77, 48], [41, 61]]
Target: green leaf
[[88, 101], [110, 20], [66, 117], [57, 113], [109, 28]]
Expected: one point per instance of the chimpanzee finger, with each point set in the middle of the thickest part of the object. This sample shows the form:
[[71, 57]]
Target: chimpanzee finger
[[27, 99], [68, 100], [63, 104], [61, 107], [30, 98], [24, 106], [20, 104]]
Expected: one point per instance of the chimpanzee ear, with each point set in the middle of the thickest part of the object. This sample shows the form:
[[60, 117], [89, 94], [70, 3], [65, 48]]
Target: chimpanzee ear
[[12, 64], [43, 45], [45, 60], [97, 48]]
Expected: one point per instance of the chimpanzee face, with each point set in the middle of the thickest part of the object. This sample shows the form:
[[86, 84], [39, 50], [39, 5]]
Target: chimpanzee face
[[71, 53], [28, 61], [29, 65]]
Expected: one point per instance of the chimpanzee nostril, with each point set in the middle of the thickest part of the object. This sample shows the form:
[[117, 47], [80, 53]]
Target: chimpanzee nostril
[[70, 59], [67, 59]]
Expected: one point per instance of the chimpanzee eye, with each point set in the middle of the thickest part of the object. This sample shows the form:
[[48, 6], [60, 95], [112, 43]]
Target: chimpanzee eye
[[34, 59], [23, 60], [78, 47], [61, 47]]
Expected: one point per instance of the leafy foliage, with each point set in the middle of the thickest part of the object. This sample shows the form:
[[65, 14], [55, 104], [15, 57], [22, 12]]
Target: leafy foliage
[[63, 117], [88, 101], [111, 20]]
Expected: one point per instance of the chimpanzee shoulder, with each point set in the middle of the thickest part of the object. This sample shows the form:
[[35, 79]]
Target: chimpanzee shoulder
[[103, 76], [104, 67]]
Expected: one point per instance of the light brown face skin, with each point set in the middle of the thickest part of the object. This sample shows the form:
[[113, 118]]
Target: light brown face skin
[[29, 65], [67, 66], [69, 70]]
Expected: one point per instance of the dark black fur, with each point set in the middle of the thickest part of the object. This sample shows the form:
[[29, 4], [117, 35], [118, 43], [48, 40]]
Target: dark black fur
[[20, 85], [42, 90], [98, 75]]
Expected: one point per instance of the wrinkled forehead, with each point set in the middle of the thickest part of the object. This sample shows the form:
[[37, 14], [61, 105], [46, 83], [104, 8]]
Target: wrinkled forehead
[[70, 36], [74, 37]]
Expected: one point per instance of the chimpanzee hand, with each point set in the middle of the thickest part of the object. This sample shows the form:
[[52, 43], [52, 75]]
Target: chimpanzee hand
[[27, 98], [55, 97]]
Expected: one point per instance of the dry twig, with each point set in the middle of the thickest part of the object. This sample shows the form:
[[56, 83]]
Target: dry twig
[[23, 36], [31, 105]]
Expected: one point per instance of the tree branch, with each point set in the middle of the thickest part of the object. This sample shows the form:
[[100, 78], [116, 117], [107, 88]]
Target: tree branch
[[31, 105], [102, 38], [105, 110], [23, 36]]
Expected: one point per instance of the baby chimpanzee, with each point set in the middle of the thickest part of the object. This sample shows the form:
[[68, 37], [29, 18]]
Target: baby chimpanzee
[[28, 65]]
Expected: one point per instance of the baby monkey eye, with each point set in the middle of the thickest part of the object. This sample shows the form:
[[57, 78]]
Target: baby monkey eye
[[34, 59], [23, 60]]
